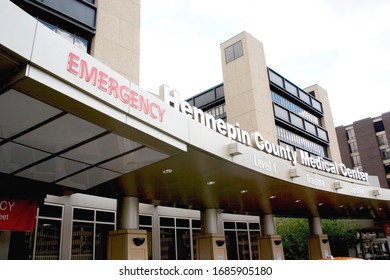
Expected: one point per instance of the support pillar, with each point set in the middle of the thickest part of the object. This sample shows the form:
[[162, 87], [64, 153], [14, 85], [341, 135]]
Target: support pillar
[[211, 245], [128, 242], [270, 244], [318, 242]]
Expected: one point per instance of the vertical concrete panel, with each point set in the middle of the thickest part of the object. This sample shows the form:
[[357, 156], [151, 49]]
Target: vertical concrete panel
[[246, 85], [117, 40]]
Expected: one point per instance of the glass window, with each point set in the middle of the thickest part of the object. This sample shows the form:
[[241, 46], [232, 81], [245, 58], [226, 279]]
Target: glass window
[[281, 113], [145, 220], [354, 147], [90, 231], [104, 216], [229, 54], [350, 134], [304, 96], [204, 98], [382, 140], [300, 142], [275, 78], [241, 240], [83, 214], [177, 238], [183, 244], [385, 153], [238, 51], [231, 245], [168, 243], [167, 222], [316, 104], [145, 223], [48, 240], [220, 93], [70, 37], [183, 223], [243, 245], [356, 161], [322, 134], [48, 210], [379, 126], [311, 128], [297, 121], [233, 52], [291, 88], [294, 108], [82, 241]]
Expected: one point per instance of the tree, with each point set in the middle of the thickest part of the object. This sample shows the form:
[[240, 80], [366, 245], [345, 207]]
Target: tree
[[295, 231], [341, 235]]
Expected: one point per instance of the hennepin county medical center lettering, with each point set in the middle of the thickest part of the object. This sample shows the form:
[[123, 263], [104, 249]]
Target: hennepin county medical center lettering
[[110, 85]]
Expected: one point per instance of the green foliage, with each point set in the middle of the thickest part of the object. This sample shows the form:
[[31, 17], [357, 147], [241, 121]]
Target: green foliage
[[341, 235], [295, 232]]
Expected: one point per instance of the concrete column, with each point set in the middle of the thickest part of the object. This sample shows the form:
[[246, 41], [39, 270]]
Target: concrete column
[[128, 213], [315, 226], [270, 244], [128, 242], [268, 225], [211, 245], [211, 220], [318, 242]]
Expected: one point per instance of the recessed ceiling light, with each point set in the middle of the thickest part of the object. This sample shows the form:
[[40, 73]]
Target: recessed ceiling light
[[320, 203], [243, 191], [341, 206], [210, 183], [272, 196], [297, 201], [167, 171]]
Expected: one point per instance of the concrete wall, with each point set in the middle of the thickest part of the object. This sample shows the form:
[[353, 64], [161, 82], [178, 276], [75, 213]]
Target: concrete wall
[[327, 121], [117, 40], [247, 92]]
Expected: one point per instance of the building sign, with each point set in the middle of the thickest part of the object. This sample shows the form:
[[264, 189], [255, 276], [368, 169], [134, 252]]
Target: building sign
[[256, 140], [108, 85], [17, 214], [387, 230]]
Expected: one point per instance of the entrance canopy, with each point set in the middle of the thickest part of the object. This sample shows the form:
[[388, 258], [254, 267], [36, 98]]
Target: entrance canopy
[[70, 123]]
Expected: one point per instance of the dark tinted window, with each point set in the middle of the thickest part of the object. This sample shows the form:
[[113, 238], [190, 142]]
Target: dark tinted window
[[379, 126]]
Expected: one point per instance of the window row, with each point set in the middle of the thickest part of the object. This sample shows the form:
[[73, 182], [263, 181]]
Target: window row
[[178, 238], [218, 112], [294, 90], [300, 142], [72, 38], [207, 97], [241, 240], [294, 108], [89, 235], [298, 122]]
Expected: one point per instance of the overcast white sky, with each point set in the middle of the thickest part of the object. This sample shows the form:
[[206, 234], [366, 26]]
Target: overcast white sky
[[342, 45]]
